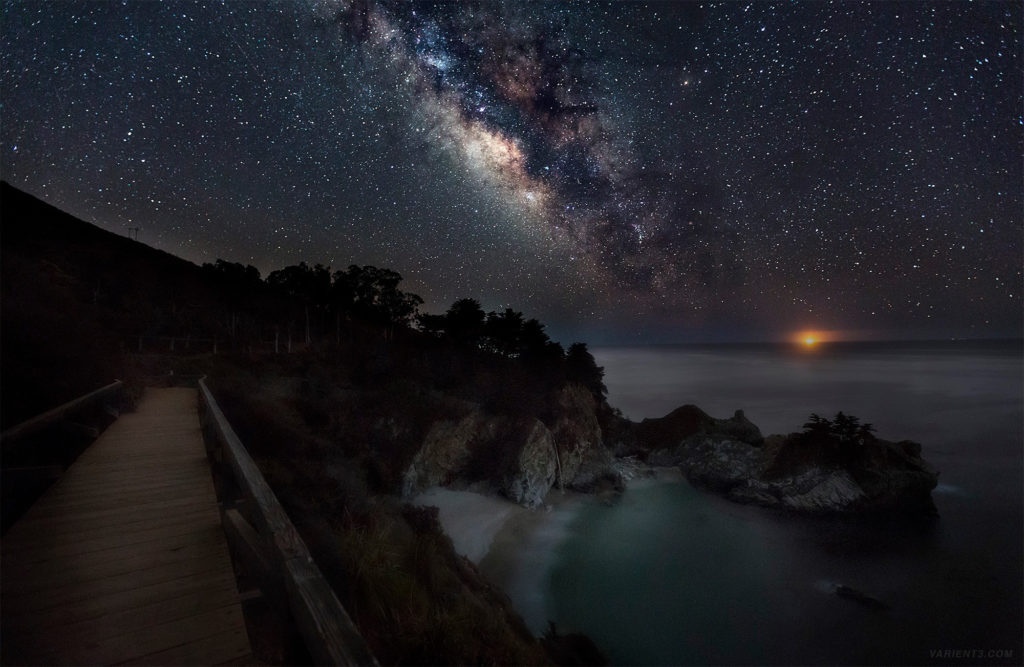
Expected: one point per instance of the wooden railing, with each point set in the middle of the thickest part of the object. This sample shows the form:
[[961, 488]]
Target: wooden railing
[[36, 452], [262, 536], [101, 396]]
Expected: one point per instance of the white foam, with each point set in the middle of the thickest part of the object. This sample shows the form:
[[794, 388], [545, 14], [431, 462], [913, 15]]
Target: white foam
[[528, 584], [470, 519]]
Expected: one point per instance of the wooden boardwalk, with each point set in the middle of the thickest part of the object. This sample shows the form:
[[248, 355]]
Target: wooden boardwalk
[[124, 559]]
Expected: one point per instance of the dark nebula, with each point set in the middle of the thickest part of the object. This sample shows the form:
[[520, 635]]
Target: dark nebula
[[624, 171]]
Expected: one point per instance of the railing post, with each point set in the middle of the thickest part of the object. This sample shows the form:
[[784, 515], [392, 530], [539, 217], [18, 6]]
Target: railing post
[[267, 541]]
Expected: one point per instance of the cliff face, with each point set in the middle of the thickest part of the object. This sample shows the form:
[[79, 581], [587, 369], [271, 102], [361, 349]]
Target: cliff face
[[797, 472], [521, 457]]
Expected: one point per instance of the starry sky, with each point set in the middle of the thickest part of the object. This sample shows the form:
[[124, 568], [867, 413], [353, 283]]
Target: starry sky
[[626, 172]]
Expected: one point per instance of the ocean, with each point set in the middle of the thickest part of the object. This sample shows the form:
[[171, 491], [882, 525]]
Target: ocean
[[674, 575]]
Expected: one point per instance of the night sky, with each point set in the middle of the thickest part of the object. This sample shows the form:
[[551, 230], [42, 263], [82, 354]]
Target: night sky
[[625, 172]]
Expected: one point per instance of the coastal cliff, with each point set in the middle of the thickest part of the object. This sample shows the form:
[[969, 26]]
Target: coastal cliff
[[578, 443], [522, 457]]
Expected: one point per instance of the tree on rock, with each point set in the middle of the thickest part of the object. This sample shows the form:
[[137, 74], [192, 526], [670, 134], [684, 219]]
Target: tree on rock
[[580, 366]]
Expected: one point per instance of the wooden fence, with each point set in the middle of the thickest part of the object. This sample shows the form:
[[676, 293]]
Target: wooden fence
[[262, 537], [36, 452], [105, 397]]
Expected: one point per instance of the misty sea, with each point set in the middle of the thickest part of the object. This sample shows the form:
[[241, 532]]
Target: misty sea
[[673, 575]]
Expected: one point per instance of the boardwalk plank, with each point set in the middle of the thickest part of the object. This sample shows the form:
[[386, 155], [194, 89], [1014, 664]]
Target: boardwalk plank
[[115, 522], [143, 641], [52, 548], [127, 621], [226, 647], [124, 558], [100, 566], [212, 583]]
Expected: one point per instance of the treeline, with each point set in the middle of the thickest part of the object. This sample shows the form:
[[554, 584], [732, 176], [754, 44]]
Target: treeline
[[509, 334], [316, 302], [310, 302]]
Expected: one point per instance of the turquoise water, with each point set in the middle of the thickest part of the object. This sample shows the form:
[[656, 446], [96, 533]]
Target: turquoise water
[[703, 577], [671, 575]]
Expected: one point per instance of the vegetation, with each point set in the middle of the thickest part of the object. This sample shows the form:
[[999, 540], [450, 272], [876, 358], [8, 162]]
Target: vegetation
[[413, 598], [332, 425], [841, 442], [846, 429]]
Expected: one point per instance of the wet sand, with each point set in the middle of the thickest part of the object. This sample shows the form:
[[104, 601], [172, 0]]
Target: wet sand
[[472, 520], [515, 547]]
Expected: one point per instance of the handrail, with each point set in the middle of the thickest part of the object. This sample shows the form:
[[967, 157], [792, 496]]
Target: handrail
[[39, 422], [329, 633]]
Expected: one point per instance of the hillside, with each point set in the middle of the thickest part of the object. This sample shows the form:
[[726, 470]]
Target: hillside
[[341, 425], [352, 402], [75, 297]]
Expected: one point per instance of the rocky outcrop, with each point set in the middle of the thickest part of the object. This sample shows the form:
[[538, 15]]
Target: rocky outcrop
[[520, 457], [799, 472], [535, 471], [583, 459], [445, 452], [669, 431], [815, 491]]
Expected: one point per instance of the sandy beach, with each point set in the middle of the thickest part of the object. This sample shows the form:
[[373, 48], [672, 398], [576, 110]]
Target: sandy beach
[[513, 546]]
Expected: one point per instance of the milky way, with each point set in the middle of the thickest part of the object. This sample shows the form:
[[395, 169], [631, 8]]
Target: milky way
[[504, 88], [624, 171]]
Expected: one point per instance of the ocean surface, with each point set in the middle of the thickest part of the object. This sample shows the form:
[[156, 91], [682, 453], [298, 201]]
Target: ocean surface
[[673, 575]]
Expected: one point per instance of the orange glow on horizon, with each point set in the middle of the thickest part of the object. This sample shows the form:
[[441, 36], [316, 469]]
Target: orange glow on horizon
[[812, 337]]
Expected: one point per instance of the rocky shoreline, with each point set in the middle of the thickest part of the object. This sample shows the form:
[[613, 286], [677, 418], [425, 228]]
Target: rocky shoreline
[[807, 473], [587, 447]]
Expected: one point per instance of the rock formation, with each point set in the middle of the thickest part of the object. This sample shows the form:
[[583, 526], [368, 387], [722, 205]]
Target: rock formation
[[579, 443], [802, 472], [520, 457]]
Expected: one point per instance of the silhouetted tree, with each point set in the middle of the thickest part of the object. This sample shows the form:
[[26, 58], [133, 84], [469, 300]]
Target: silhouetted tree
[[844, 429], [240, 293], [310, 284], [310, 287], [234, 274], [534, 336], [865, 433], [433, 325], [343, 292], [398, 308], [818, 426], [372, 294], [504, 331], [464, 321], [580, 366]]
